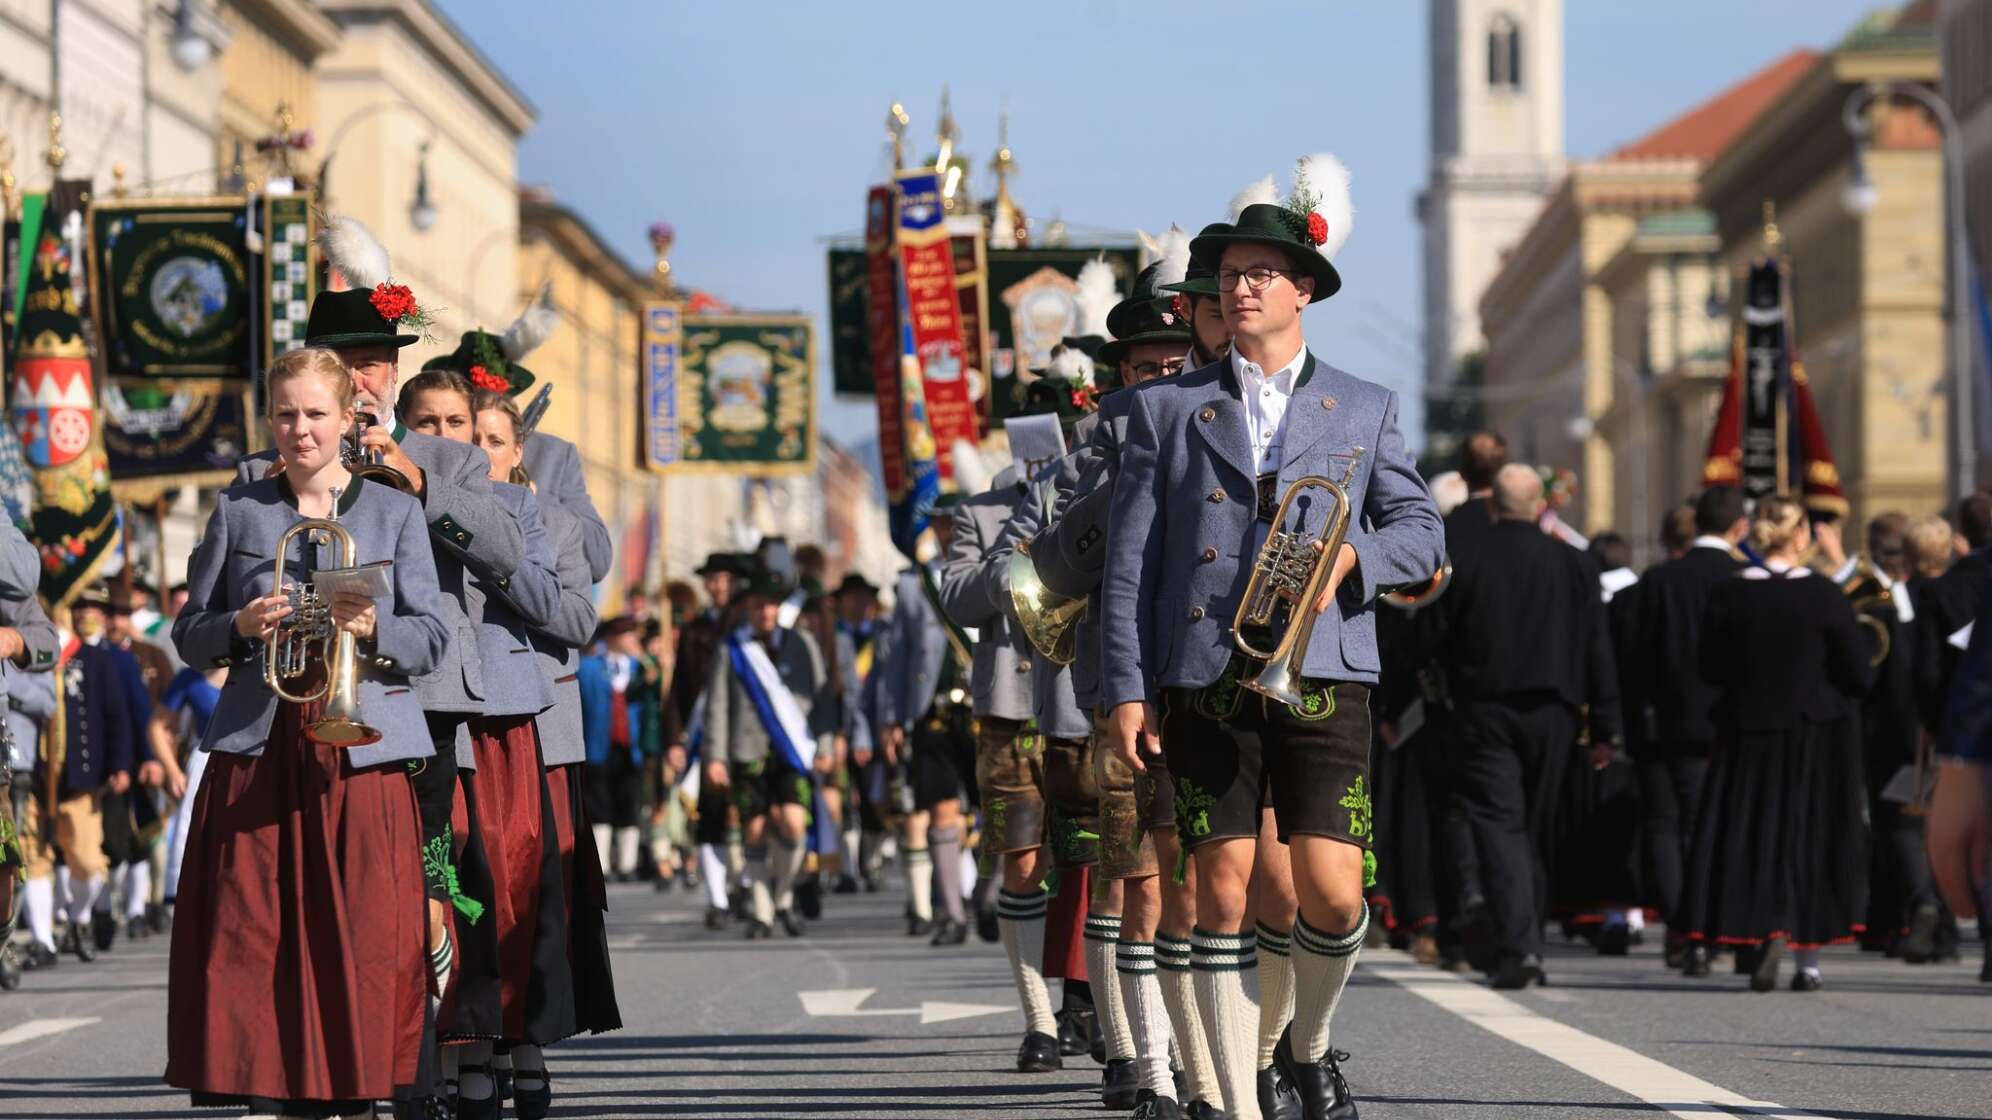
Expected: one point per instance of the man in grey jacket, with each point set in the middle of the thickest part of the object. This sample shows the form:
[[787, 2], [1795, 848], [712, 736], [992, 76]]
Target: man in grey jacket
[[1207, 459]]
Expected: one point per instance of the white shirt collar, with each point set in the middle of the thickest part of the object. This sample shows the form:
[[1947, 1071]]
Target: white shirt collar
[[1282, 379], [1709, 540], [1616, 580]]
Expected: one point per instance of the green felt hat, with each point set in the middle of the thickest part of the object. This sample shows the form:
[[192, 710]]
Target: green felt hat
[[1149, 315], [480, 359], [1198, 279], [352, 317], [1310, 226]]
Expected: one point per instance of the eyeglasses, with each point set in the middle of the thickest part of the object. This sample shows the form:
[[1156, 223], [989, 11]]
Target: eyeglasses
[[1258, 278], [1170, 368]]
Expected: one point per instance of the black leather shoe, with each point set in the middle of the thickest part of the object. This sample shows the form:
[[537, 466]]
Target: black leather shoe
[[80, 945], [1120, 1084], [918, 927], [1516, 973], [104, 929], [1803, 981], [986, 925], [501, 1076], [136, 929], [1201, 1110], [1278, 1098], [789, 921], [1074, 1035], [1038, 1054], [489, 1108], [949, 932], [160, 916], [845, 885], [809, 899], [1694, 961], [1921, 944], [716, 918], [1148, 1106], [1764, 977], [759, 930], [533, 1104], [1324, 1092], [39, 956]]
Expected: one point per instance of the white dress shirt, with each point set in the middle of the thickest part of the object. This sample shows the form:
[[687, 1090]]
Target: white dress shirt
[[1266, 399]]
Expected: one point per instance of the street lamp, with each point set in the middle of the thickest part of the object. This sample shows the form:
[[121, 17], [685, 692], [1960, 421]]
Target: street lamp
[[191, 49], [1860, 195], [422, 212]]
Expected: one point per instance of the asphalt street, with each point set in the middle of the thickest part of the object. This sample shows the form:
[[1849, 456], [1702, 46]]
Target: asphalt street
[[856, 1020]]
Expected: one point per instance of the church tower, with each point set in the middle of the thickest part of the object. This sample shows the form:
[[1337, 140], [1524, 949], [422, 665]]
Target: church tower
[[1497, 152]]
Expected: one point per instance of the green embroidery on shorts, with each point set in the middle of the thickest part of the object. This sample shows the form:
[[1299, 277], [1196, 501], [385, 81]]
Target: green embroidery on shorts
[[1357, 802], [440, 872], [10, 848], [998, 812], [804, 794], [1369, 870], [1068, 840], [1193, 806], [1219, 699], [1029, 743], [1317, 702]]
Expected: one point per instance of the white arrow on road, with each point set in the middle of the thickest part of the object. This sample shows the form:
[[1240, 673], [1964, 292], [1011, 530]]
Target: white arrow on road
[[40, 1028], [846, 1001]]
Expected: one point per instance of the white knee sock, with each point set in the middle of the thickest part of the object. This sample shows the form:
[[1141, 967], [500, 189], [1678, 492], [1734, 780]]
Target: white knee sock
[[40, 902], [626, 842], [528, 1067], [1275, 990], [63, 893], [1222, 965], [602, 846], [83, 896], [1172, 959], [1141, 994], [757, 885], [138, 888], [788, 856], [1020, 917], [1321, 966], [712, 871], [968, 869], [920, 882], [1102, 936]]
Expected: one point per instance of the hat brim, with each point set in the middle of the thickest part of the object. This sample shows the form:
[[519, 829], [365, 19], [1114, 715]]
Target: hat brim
[[1208, 249], [1201, 286], [352, 339], [1117, 349]]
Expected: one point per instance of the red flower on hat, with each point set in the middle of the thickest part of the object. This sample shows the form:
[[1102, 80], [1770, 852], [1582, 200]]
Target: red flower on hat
[[1180, 306], [1317, 229], [485, 379], [394, 302], [1082, 397]]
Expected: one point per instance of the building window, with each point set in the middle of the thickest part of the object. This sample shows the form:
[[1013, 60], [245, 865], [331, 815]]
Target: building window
[[1504, 53]]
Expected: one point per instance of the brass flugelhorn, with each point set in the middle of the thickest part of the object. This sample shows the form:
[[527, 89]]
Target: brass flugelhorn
[[1418, 596], [1048, 619], [309, 632], [1291, 570], [369, 464], [1870, 595]]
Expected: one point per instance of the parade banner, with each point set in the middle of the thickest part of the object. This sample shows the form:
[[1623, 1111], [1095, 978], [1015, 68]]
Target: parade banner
[[971, 264], [658, 445], [850, 346], [883, 328], [170, 282], [746, 396], [1031, 308], [933, 311], [289, 281], [17, 487], [187, 432]]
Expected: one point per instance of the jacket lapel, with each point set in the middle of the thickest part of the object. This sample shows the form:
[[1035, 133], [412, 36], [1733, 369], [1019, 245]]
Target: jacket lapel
[[1312, 415], [1220, 422]]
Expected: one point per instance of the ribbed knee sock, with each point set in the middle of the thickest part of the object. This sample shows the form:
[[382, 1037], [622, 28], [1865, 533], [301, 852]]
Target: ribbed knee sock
[[944, 845], [757, 885], [1102, 936], [1172, 960], [1020, 917], [1321, 966], [1222, 965], [788, 856], [1275, 990], [920, 882], [1141, 994], [712, 871]]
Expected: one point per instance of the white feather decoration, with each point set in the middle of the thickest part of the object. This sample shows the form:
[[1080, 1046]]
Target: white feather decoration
[[1173, 251], [971, 474], [533, 326], [1070, 364], [1325, 181], [355, 253], [1261, 192], [1096, 295]]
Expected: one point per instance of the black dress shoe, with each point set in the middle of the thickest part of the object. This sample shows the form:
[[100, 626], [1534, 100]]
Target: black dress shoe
[[1675, 952], [136, 929], [1921, 944], [919, 927], [1694, 961], [791, 923], [1074, 1034], [489, 1108], [80, 945], [986, 925], [809, 899], [1324, 1092], [104, 929], [501, 1076], [533, 1104], [1516, 973], [1803, 981], [1120, 1084], [1278, 1098], [1201, 1110], [845, 885], [1984, 969], [949, 932], [758, 930], [716, 918], [39, 956], [161, 916], [1148, 1106], [1613, 941], [1038, 1054], [1764, 977]]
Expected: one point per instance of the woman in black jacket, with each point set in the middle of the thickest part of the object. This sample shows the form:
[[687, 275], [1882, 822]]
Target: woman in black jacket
[[1781, 849]]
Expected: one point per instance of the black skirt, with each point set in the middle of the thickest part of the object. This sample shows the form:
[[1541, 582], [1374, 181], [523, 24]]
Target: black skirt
[[1781, 847]]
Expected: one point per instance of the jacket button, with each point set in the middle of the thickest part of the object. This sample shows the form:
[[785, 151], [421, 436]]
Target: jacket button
[[1209, 554], [1217, 495], [1207, 415], [1196, 614], [1023, 666]]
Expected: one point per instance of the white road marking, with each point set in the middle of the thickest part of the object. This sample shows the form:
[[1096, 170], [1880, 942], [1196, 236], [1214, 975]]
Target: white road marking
[[840, 1002], [40, 1028], [1665, 1088], [1551, 995]]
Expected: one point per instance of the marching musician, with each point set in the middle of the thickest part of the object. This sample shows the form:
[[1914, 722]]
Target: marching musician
[[297, 980], [27, 652], [698, 643], [1185, 527]]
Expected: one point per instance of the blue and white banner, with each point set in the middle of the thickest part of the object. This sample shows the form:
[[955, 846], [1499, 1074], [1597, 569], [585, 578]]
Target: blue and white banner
[[786, 725]]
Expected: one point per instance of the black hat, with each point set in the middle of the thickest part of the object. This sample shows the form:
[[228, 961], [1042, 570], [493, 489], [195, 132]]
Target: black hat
[[610, 628], [852, 581], [1310, 226], [1198, 279], [1067, 400], [718, 562], [353, 318], [480, 359], [766, 584], [1149, 315], [95, 594]]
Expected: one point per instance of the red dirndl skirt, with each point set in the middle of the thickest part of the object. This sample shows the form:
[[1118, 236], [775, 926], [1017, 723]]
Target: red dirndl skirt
[[298, 968]]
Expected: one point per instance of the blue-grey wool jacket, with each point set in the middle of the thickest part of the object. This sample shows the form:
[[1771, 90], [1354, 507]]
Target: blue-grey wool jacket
[[235, 562], [558, 642], [975, 592], [1181, 534], [1054, 693], [555, 467], [508, 606]]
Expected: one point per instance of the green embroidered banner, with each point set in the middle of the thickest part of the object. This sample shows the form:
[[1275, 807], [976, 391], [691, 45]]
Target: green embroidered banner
[[171, 283], [747, 395]]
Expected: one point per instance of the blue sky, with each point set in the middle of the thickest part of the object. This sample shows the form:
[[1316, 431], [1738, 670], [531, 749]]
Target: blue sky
[[755, 128]]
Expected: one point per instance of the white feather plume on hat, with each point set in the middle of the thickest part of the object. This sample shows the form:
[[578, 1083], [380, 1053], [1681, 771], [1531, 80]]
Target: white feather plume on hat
[[533, 326], [1262, 192], [1173, 252], [971, 474], [1070, 364], [353, 251], [1096, 295], [1321, 186]]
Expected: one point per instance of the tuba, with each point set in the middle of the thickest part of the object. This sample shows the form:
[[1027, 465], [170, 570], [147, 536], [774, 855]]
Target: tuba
[[369, 464], [1289, 569], [1871, 595], [1047, 618], [1417, 596], [310, 630]]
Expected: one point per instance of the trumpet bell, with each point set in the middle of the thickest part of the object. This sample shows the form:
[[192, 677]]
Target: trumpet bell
[[382, 474], [1049, 620], [1277, 681], [1421, 595], [338, 731]]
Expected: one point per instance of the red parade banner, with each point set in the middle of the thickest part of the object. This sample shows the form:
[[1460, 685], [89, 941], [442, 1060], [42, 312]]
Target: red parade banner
[[882, 330], [934, 311]]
